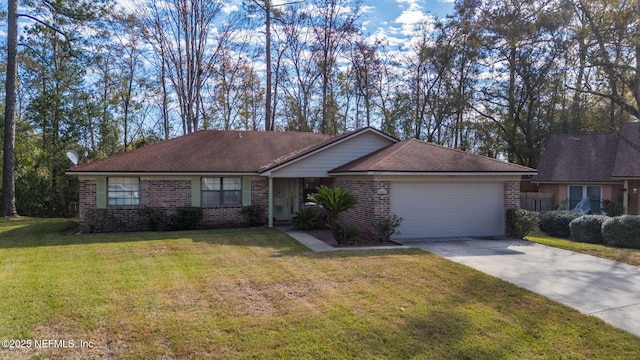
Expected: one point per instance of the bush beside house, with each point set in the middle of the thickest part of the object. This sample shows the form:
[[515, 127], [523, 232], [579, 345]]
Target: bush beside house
[[622, 231], [588, 228], [556, 223], [520, 222], [619, 231]]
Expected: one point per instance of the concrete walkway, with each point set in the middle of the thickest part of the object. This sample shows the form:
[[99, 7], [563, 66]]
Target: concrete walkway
[[604, 288]]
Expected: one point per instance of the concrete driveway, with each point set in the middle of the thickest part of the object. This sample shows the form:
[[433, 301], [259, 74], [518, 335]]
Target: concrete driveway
[[607, 289]]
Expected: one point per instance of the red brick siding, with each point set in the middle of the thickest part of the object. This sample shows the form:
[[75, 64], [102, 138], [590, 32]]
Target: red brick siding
[[512, 195], [371, 207], [87, 199], [167, 195], [260, 194]]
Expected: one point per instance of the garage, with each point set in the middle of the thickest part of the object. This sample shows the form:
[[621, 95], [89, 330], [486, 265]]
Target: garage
[[448, 209]]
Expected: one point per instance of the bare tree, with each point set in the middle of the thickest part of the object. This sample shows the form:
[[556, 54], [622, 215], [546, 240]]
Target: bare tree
[[181, 32], [333, 23]]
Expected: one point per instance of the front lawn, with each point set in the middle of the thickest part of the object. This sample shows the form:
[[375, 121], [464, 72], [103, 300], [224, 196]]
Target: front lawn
[[629, 256], [256, 293]]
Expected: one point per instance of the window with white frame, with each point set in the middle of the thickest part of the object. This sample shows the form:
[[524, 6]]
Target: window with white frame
[[123, 191], [221, 191], [579, 192]]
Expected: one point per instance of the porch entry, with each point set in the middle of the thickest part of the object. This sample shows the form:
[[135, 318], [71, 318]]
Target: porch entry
[[285, 198]]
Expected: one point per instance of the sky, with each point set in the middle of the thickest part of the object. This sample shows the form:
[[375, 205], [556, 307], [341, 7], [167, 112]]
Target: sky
[[390, 20], [394, 21]]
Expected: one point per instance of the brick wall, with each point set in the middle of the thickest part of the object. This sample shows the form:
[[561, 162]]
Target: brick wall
[[512, 195], [165, 195], [87, 199], [372, 206]]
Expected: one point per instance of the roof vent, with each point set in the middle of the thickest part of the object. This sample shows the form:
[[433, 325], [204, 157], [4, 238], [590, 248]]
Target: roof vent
[[239, 135]]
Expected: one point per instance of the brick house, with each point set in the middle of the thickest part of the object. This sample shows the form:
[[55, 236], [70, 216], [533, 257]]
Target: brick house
[[438, 191], [601, 167]]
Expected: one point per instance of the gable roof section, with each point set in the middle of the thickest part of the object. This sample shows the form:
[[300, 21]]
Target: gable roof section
[[627, 163], [585, 158], [209, 151], [416, 156], [292, 158], [578, 158]]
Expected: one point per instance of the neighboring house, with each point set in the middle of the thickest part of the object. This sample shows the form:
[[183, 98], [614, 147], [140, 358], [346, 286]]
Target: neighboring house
[[440, 192], [601, 167]]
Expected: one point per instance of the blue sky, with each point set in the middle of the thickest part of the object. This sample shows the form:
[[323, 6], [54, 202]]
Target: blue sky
[[394, 21]]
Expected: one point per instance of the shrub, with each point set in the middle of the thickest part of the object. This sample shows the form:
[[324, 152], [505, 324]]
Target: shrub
[[520, 222], [556, 223], [305, 219], [334, 200], [622, 231], [387, 227], [187, 218], [154, 219], [612, 208], [102, 220], [587, 228], [351, 233], [254, 214]]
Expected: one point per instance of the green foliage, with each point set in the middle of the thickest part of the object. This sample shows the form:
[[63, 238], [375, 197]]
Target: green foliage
[[187, 218], [387, 227], [556, 223], [612, 208], [103, 220], [622, 231], [305, 219], [154, 219], [333, 200], [588, 228], [351, 233], [254, 214], [520, 222]]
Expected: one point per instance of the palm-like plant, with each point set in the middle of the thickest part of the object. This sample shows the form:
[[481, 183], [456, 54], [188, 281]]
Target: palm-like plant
[[334, 200]]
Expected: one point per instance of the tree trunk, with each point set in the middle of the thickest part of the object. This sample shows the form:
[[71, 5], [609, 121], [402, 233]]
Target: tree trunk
[[8, 162]]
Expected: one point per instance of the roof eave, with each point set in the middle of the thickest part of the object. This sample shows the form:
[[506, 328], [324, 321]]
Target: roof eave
[[434, 173], [611, 181], [160, 173]]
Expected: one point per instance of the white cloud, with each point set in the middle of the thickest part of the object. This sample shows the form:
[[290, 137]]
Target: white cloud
[[229, 8]]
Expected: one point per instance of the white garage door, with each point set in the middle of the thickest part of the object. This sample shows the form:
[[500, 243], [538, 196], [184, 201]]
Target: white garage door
[[448, 209]]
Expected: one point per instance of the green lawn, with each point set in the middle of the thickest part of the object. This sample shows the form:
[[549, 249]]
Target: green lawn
[[629, 256], [256, 293]]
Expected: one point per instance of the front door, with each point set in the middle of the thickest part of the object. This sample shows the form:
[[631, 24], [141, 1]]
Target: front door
[[285, 198]]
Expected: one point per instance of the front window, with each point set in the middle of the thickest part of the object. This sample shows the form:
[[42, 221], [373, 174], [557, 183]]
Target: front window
[[220, 191], [310, 187], [593, 193], [123, 191]]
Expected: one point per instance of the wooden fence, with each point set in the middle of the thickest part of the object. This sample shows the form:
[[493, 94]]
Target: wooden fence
[[536, 201]]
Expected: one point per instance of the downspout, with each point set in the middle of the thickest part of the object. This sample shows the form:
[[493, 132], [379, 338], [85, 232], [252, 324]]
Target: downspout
[[270, 220]]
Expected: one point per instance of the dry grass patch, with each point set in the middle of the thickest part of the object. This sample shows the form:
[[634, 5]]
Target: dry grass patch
[[256, 293]]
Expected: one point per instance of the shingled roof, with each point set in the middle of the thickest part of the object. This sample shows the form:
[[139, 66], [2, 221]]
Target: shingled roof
[[418, 156], [602, 157], [210, 151]]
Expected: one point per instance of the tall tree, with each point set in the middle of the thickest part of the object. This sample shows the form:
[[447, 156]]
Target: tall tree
[[8, 162], [183, 34], [614, 28], [334, 23], [524, 51]]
